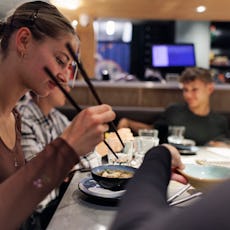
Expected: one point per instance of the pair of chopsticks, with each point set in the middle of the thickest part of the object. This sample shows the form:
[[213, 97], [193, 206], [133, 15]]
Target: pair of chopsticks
[[72, 101], [171, 201], [89, 83]]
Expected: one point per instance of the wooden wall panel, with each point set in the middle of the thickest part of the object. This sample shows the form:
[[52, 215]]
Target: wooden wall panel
[[142, 96]]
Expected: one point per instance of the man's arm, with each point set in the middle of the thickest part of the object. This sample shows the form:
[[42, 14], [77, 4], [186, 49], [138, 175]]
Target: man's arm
[[133, 125]]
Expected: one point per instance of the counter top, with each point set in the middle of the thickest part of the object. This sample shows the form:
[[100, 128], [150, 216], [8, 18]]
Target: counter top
[[78, 211], [143, 94], [140, 84]]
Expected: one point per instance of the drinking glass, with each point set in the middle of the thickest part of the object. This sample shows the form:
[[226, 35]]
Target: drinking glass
[[141, 145], [148, 132], [176, 134], [147, 139]]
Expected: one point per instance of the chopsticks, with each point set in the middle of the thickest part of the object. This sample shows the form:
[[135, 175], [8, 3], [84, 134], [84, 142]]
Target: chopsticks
[[91, 87], [181, 191], [213, 162], [71, 100], [171, 199], [68, 96], [185, 199]]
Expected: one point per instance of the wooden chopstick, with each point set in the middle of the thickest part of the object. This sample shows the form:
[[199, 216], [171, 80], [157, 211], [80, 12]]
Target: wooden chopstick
[[71, 100], [92, 88]]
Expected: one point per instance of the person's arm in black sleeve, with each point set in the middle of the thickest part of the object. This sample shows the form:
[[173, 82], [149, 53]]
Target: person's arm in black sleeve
[[146, 192], [144, 205]]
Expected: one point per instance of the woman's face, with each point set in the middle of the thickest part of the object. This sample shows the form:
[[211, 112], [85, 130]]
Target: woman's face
[[52, 54], [56, 98]]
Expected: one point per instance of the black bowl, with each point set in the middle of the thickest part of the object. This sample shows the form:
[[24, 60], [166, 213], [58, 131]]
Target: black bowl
[[111, 183]]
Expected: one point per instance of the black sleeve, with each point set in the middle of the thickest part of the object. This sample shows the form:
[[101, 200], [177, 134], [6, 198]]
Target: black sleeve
[[146, 192], [144, 205]]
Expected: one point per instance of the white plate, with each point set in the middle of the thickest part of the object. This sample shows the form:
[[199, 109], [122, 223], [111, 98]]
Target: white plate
[[185, 142], [191, 151], [92, 188]]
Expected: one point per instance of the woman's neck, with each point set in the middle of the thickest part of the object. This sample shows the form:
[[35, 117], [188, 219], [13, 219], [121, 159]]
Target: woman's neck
[[11, 90]]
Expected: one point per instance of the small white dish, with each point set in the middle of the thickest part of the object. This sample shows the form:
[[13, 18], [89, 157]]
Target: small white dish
[[92, 188]]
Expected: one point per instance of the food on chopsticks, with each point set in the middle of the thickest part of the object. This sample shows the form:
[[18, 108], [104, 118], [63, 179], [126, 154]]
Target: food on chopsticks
[[115, 144]]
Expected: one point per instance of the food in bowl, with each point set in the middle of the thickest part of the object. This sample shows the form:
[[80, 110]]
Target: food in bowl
[[116, 174], [204, 177], [113, 177]]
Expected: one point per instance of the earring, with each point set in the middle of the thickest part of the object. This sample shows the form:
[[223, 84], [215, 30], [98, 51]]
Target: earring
[[22, 55]]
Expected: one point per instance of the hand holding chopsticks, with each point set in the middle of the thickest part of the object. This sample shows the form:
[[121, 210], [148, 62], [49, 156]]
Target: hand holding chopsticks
[[89, 83], [71, 100]]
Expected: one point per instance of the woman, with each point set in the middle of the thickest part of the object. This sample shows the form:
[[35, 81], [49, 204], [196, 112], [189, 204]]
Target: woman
[[34, 37], [41, 123]]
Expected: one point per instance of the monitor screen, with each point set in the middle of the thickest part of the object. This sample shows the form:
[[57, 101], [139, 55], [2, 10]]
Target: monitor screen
[[173, 55]]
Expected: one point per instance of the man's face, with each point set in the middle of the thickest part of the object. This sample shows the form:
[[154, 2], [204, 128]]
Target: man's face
[[197, 93]]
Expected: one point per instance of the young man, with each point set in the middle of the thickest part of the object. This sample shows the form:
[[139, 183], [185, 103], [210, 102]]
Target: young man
[[202, 125]]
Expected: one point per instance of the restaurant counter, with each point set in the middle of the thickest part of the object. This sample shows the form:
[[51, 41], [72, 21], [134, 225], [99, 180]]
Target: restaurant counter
[[143, 94], [79, 211]]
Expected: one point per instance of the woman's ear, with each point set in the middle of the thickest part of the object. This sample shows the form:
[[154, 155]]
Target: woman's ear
[[23, 38]]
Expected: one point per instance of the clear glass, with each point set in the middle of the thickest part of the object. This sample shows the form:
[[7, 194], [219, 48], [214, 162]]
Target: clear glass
[[148, 132], [141, 145], [176, 134]]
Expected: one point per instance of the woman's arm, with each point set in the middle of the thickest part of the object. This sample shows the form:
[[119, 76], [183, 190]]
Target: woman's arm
[[21, 192]]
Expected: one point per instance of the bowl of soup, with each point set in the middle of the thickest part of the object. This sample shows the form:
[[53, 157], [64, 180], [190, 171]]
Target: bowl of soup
[[113, 177], [204, 177]]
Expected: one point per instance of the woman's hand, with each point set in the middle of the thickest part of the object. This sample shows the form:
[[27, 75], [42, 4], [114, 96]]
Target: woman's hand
[[87, 128], [176, 164]]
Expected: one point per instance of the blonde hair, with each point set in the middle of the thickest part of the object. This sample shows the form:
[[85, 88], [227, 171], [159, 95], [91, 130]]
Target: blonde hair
[[43, 19]]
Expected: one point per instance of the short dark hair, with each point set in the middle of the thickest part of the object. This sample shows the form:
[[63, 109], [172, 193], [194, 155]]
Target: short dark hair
[[193, 73]]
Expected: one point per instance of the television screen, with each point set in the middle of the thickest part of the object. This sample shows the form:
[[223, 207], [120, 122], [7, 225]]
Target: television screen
[[173, 55]]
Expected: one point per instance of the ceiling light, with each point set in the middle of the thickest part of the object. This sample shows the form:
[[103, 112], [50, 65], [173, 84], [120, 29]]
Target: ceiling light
[[201, 9], [74, 23], [66, 4], [110, 27]]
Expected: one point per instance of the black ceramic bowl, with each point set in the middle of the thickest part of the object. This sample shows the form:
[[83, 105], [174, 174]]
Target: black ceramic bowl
[[116, 183]]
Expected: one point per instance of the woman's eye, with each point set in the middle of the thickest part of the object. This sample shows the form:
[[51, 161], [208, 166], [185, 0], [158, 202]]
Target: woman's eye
[[60, 61]]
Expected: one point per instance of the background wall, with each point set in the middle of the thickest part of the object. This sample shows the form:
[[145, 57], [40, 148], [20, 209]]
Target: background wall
[[197, 33]]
